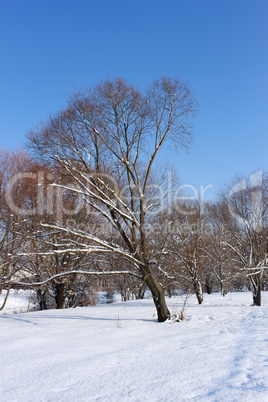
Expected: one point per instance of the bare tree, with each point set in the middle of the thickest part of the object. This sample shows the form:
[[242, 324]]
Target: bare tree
[[178, 246], [39, 252], [11, 238], [108, 140], [247, 227], [221, 259]]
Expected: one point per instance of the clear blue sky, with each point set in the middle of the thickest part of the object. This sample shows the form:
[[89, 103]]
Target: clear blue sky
[[220, 47]]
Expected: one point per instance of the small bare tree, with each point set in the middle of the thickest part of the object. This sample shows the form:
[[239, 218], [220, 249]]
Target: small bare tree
[[11, 238], [220, 258], [247, 229], [181, 255]]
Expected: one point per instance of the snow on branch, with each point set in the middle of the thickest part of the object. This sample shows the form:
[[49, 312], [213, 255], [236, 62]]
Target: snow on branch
[[96, 273], [104, 246], [103, 197]]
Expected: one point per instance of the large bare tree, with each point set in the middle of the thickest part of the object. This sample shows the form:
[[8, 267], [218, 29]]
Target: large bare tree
[[108, 140]]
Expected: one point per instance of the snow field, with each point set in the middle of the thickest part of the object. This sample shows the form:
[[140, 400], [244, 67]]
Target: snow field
[[118, 352]]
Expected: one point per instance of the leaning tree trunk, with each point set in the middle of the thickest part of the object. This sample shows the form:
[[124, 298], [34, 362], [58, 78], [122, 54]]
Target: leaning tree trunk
[[5, 299], [157, 292], [198, 290]]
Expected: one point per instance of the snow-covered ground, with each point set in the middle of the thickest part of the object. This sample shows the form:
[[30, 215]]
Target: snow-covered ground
[[118, 352]]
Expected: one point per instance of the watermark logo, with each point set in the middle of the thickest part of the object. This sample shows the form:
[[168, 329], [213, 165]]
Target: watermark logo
[[41, 193]]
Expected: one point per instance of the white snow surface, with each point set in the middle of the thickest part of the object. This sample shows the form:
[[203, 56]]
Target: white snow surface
[[119, 352]]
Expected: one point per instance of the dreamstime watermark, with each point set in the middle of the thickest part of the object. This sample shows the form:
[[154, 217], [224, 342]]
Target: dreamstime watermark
[[31, 194], [239, 208]]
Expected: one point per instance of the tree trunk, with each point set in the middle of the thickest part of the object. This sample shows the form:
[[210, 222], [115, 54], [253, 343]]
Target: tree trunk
[[5, 300], [256, 290], [41, 296], [198, 291], [169, 292], [208, 285], [141, 292], [59, 296], [157, 292]]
